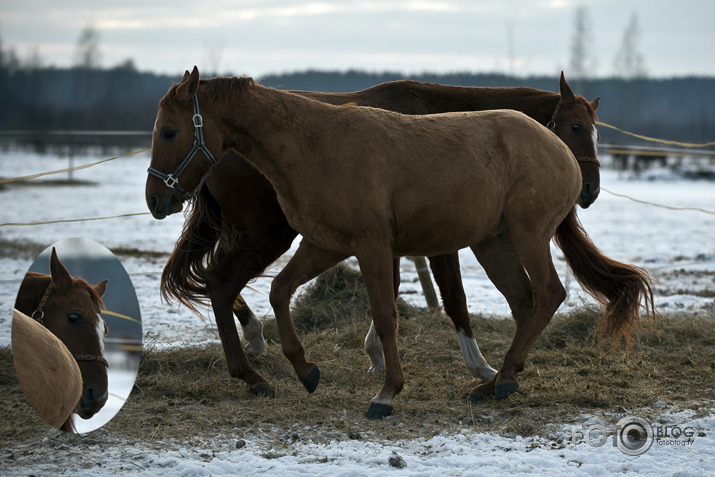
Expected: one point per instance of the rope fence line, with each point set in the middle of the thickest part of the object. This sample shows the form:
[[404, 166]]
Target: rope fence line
[[61, 221], [653, 139], [69, 169], [695, 209]]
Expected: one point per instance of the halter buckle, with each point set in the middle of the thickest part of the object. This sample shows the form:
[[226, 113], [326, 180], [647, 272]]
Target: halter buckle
[[198, 120], [171, 181]]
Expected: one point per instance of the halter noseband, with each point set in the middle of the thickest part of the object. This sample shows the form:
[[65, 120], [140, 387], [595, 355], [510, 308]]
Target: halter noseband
[[172, 180], [552, 125], [41, 320]]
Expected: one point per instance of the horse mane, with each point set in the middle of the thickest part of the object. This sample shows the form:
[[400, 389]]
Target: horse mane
[[216, 88]]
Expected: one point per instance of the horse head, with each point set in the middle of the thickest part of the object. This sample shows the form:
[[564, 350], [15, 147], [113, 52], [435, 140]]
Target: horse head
[[179, 127], [574, 121], [71, 310]]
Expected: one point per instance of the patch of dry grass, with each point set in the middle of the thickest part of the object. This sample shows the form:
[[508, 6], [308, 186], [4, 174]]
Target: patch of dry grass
[[185, 394]]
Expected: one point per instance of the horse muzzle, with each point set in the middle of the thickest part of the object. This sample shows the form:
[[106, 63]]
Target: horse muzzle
[[161, 208], [90, 402], [588, 196]]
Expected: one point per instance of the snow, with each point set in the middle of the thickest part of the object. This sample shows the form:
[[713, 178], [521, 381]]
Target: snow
[[675, 246]]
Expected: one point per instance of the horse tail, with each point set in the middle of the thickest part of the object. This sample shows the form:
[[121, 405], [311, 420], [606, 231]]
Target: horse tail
[[622, 289], [196, 249]]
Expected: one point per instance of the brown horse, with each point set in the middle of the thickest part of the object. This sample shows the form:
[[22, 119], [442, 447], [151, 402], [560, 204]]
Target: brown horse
[[197, 260], [72, 310], [373, 184]]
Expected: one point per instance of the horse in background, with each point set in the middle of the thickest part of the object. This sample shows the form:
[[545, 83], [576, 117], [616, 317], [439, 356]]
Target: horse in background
[[71, 309], [346, 178], [236, 228]]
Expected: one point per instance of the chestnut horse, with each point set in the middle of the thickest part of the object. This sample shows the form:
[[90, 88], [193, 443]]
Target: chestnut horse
[[373, 183], [72, 310], [196, 259], [48, 373]]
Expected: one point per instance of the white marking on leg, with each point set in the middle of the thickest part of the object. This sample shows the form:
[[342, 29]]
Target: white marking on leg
[[373, 348], [473, 359], [253, 336]]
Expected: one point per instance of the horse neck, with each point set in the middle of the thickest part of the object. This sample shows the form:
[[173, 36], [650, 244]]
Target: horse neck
[[31, 290], [267, 126]]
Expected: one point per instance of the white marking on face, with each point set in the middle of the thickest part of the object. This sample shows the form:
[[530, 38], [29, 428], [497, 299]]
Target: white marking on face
[[99, 328], [594, 137]]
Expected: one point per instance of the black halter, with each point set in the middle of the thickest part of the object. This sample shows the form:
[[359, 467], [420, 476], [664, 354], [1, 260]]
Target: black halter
[[172, 180]]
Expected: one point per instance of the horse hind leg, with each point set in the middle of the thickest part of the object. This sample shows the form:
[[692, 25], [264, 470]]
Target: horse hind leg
[[501, 262], [548, 293], [308, 262], [377, 273], [373, 345], [251, 327], [447, 275]]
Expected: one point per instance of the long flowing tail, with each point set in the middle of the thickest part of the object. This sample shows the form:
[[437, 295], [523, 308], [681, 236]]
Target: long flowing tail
[[623, 290], [196, 249]]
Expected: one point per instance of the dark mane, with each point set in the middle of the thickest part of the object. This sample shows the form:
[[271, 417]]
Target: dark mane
[[216, 88]]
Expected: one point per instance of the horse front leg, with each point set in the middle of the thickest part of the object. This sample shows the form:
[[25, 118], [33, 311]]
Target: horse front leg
[[307, 263], [224, 281], [376, 268], [447, 275]]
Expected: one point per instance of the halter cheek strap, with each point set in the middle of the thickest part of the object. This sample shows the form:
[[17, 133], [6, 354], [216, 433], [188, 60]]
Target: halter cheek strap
[[172, 180]]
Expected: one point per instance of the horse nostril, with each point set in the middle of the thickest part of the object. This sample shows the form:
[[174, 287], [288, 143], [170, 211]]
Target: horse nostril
[[152, 202], [89, 399]]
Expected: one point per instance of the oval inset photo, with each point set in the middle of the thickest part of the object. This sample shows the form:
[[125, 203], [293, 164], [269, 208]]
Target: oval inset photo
[[76, 335]]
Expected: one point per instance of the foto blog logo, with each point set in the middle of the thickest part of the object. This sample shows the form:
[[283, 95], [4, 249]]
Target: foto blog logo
[[633, 435]]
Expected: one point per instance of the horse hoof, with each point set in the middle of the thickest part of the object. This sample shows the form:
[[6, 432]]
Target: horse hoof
[[311, 382], [476, 397], [376, 411], [261, 389], [505, 389]]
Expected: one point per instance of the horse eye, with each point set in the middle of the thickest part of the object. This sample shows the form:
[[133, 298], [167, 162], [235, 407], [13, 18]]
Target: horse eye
[[74, 317], [576, 127], [168, 134]]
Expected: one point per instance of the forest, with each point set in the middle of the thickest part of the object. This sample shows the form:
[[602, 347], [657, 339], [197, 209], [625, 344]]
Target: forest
[[123, 99]]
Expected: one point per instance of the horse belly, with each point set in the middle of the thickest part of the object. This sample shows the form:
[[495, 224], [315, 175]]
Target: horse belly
[[446, 228]]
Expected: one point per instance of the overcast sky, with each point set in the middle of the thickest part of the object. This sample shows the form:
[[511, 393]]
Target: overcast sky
[[523, 37]]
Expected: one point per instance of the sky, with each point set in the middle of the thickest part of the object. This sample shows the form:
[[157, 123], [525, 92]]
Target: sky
[[520, 37]]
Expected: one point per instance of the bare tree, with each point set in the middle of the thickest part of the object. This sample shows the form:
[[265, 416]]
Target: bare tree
[[628, 62], [581, 65], [87, 53]]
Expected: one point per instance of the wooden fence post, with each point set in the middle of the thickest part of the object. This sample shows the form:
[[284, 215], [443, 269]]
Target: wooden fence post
[[426, 281]]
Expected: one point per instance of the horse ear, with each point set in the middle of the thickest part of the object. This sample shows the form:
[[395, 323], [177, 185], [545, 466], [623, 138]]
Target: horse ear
[[567, 95], [60, 276], [101, 287], [189, 83], [594, 103]]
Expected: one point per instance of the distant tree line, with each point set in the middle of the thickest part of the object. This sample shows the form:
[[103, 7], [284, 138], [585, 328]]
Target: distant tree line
[[122, 98]]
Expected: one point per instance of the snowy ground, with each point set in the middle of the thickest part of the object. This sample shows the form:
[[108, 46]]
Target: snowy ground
[[675, 246]]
